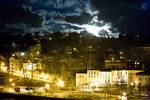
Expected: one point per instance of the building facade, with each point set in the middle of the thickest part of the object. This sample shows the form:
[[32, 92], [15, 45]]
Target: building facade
[[97, 78], [82, 81], [15, 63], [3, 67], [143, 79]]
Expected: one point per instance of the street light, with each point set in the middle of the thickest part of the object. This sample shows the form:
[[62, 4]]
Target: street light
[[132, 84], [13, 84], [136, 82], [60, 83], [10, 80], [29, 67], [124, 97], [119, 97], [124, 94], [47, 86], [22, 54]]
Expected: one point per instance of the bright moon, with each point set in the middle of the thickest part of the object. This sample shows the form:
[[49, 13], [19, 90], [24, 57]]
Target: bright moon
[[95, 30], [92, 29]]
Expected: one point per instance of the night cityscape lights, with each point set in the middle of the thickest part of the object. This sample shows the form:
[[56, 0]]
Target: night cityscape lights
[[32, 73], [75, 49]]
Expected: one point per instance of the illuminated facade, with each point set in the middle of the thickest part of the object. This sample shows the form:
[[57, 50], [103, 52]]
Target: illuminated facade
[[3, 67], [93, 77], [143, 79], [36, 67], [81, 81], [81, 78], [132, 77], [97, 78], [14, 63], [29, 66], [111, 64], [120, 76]]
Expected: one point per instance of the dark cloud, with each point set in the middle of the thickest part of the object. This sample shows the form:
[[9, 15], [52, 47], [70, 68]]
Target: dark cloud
[[128, 16], [15, 17], [84, 18]]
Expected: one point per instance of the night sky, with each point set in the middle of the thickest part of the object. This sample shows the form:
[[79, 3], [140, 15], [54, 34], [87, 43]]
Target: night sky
[[104, 17]]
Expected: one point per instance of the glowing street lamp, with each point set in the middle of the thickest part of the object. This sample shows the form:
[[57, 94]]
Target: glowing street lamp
[[60, 83], [22, 54], [119, 97], [124, 94], [47, 86], [124, 97], [30, 67], [13, 84], [132, 84], [10, 80], [136, 82]]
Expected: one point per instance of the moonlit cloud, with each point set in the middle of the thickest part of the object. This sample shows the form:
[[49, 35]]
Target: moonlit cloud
[[102, 18], [69, 8], [99, 28]]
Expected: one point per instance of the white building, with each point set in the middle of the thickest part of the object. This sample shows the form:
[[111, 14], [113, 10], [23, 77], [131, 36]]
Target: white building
[[97, 78], [82, 82], [120, 76], [93, 78]]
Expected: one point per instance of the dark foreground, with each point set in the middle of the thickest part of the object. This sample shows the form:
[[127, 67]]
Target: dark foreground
[[9, 96]]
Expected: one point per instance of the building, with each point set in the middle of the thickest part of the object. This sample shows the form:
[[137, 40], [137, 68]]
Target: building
[[32, 66], [132, 77], [15, 63], [119, 76], [146, 50], [115, 64], [143, 79], [3, 67], [97, 78], [82, 82]]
